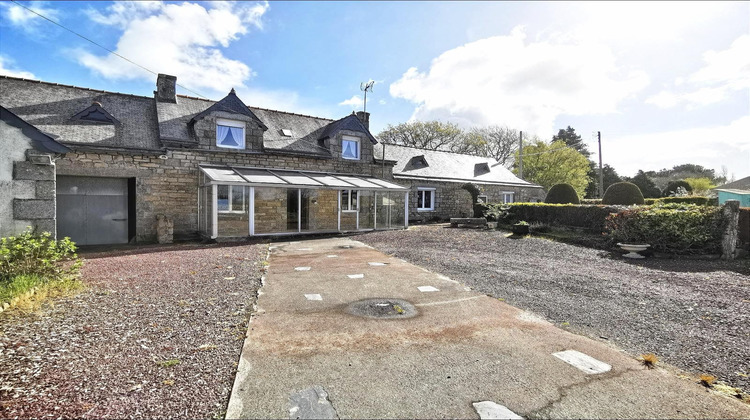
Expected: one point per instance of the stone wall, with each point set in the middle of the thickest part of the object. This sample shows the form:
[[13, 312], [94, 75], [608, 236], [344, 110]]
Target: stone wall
[[170, 186], [451, 200], [27, 189]]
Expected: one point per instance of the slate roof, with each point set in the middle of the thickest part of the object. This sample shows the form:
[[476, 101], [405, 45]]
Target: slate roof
[[49, 107], [447, 167], [39, 141], [741, 184], [351, 123], [143, 124]]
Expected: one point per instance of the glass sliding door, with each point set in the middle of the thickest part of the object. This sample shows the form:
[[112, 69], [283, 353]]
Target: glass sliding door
[[366, 210], [319, 210]]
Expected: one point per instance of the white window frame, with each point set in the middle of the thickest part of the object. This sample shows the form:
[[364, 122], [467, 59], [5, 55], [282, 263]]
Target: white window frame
[[483, 199], [512, 195], [352, 139], [231, 210], [233, 124], [346, 207], [420, 191]]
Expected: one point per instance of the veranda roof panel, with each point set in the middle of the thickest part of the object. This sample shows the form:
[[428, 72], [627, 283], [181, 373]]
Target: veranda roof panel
[[292, 179]]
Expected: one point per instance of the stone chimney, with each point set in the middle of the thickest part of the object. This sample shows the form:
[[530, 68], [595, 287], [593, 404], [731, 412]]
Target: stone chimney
[[165, 88], [364, 117]]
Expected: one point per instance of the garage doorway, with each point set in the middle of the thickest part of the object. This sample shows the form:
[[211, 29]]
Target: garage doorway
[[95, 211]]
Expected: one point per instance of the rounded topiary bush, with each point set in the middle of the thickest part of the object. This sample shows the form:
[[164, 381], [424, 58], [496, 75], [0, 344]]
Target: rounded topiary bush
[[672, 187], [562, 194], [624, 193]]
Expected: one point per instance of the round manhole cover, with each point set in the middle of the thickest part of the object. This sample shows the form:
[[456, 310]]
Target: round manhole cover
[[382, 308]]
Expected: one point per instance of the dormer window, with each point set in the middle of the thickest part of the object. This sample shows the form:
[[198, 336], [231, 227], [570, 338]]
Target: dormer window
[[230, 134], [350, 148]]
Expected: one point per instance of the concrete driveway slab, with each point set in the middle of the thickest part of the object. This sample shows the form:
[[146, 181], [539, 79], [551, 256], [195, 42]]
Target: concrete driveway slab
[[457, 348]]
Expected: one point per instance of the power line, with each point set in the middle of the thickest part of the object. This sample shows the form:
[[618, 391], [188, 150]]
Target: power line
[[99, 45]]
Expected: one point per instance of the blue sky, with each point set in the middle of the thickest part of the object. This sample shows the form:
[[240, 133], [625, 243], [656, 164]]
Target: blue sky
[[665, 83]]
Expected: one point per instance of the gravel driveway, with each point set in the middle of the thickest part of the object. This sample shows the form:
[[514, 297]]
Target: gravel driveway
[[157, 334], [693, 314]]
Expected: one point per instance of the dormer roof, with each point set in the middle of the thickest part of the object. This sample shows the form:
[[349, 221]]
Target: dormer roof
[[350, 123], [231, 104], [95, 114]]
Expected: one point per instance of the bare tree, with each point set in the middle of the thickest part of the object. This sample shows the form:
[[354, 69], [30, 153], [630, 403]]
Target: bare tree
[[497, 142], [431, 135]]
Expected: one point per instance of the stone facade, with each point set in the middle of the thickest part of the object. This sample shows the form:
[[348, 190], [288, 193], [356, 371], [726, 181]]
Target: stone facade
[[170, 186], [452, 200], [27, 185]]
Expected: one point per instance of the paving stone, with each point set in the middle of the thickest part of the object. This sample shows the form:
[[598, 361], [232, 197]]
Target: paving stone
[[428, 289], [356, 276], [302, 268], [377, 264], [311, 403], [332, 256], [492, 410], [583, 361], [314, 296]]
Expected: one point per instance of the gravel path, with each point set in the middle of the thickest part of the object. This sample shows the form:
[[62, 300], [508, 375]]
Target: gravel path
[[156, 334], [693, 314]]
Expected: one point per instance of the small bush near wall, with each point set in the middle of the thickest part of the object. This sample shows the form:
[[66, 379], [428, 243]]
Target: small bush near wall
[[673, 228], [697, 200], [29, 261], [591, 218]]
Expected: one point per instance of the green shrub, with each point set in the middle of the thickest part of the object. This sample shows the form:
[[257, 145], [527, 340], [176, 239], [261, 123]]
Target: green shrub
[[672, 188], [591, 218], [496, 212], [623, 193], [562, 194], [17, 285], [591, 201], [37, 255], [691, 199], [674, 228]]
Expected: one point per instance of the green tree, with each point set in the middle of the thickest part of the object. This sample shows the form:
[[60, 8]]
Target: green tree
[[701, 186], [431, 135], [572, 139], [646, 185], [555, 163], [610, 177]]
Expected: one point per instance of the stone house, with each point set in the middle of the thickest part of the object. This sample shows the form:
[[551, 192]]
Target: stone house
[[436, 180], [106, 168]]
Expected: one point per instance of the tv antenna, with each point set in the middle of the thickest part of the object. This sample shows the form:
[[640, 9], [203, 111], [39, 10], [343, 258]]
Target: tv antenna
[[365, 87]]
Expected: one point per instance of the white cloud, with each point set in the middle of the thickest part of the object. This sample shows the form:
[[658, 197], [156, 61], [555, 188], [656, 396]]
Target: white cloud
[[8, 68], [711, 147], [26, 20], [723, 73], [354, 102], [183, 39], [526, 85]]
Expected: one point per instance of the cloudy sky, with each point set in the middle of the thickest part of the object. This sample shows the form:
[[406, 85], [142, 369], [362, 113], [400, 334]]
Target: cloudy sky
[[665, 83]]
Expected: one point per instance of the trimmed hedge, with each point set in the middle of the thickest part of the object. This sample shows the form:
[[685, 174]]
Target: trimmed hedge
[[562, 194], [594, 201], [673, 228], [580, 216], [672, 187], [697, 200], [623, 193]]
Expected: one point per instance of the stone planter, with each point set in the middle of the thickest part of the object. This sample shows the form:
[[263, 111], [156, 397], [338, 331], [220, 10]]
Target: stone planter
[[519, 229], [633, 250]]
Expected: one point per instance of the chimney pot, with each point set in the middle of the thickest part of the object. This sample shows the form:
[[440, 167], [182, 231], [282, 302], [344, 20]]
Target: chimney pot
[[364, 117], [165, 88]]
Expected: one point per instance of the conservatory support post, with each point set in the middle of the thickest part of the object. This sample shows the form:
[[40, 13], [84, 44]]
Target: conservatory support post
[[731, 215]]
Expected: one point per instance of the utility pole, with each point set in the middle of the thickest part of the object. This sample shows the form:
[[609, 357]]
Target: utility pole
[[601, 169], [520, 154]]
